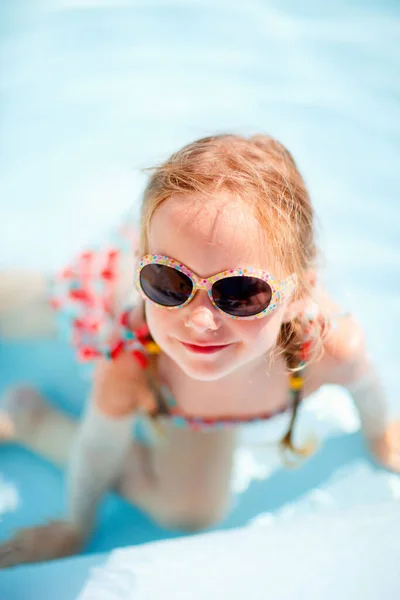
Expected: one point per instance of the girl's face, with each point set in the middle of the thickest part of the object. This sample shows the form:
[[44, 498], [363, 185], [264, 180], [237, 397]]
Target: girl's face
[[209, 237]]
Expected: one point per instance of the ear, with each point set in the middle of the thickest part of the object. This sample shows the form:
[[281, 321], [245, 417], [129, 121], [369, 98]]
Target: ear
[[303, 304]]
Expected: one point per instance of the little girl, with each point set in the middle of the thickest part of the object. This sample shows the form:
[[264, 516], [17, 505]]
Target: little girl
[[231, 328]]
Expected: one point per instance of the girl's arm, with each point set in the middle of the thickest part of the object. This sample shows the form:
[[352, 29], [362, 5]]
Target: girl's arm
[[347, 363], [97, 459], [105, 435]]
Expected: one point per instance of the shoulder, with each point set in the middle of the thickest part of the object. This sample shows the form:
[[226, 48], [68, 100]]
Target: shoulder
[[344, 340], [344, 355]]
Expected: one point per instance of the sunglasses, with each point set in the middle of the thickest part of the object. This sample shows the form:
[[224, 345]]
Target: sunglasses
[[240, 293]]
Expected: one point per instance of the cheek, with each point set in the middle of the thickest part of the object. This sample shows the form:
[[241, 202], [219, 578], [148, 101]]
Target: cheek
[[261, 333], [154, 320], [160, 322]]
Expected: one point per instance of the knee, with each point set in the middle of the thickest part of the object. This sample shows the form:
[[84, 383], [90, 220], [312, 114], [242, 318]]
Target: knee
[[193, 516], [198, 522]]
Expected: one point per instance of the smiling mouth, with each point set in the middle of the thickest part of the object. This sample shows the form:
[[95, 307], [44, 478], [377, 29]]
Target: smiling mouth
[[210, 349]]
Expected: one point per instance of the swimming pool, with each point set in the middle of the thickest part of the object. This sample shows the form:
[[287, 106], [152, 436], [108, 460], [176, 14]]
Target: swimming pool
[[93, 91]]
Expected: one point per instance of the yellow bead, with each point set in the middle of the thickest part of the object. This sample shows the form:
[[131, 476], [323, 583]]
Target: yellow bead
[[152, 348], [296, 383]]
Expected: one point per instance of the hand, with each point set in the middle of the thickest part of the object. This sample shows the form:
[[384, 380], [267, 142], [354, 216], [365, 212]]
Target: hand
[[36, 544], [386, 448], [121, 386]]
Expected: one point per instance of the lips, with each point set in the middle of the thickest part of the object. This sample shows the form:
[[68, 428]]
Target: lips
[[204, 348]]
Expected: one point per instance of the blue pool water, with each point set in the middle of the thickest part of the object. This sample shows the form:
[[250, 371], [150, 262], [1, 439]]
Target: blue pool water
[[94, 90]]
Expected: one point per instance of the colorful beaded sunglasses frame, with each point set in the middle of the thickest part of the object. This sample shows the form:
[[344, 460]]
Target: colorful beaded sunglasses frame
[[281, 290]]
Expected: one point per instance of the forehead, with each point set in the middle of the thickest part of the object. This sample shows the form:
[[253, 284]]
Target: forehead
[[210, 235]]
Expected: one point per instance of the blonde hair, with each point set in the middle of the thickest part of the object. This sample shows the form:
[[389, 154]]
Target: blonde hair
[[261, 172]]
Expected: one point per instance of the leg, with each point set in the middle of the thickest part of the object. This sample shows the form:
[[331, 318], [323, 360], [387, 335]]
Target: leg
[[98, 450], [185, 482], [26, 418]]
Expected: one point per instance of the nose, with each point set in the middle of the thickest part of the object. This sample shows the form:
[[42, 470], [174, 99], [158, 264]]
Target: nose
[[201, 315]]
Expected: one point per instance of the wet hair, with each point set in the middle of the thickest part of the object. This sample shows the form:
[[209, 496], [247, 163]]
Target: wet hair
[[261, 173]]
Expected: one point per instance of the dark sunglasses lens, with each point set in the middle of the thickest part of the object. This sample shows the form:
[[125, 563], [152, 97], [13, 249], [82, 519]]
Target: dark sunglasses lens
[[242, 296], [165, 285]]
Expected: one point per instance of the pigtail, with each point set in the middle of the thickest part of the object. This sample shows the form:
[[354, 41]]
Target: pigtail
[[300, 342]]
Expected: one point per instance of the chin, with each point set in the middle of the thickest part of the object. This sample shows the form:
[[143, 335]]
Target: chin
[[204, 374], [206, 371]]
